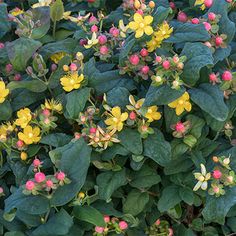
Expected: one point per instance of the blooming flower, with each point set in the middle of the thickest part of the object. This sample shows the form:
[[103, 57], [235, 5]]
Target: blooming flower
[[16, 11], [152, 114], [123, 28], [56, 57], [91, 42], [135, 106], [163, 32], [52, 105], [3, 92], [141, 25], [30, 135], [202, 178], [116, 119], [181, 104], [24, 117], [71, 81]]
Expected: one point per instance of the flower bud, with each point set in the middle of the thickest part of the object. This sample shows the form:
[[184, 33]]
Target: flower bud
[[166, 64], [218, 41], [145, 70], [179, 127], [49, 183], [132, 115], [60, 175], [211, 16], [102, 39], [99, 229], [144, 52], [29, 185], [227, 76], [39, 177], [172, 5], [36, 162], [123, 225], [213, 77], [23, 156], [79, 56], [195, 21], [106, 219], [151, 4], [216, 174], [208, 3], [17, 77], [182, 17], [73, 67], [207, 26], [94, 28], [19, 144], [134, 59], [104, 50]]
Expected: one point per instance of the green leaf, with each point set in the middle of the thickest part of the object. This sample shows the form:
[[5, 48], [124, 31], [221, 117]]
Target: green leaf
[[157, 148], [108, 182], [57, 10], [211, 100], [162, 95], [20, 51], [118, 97], [126, 48], [89, 214], [15, 233], [186, 194], [216, 209], [5, 25], [59, 224], [189, 33], [198, 56], [5, 110], [131, 140], [36, 86], [56, 139], [75, 102], [197, 125], [135, 202], [144, 178], [169, 198], [67, 159], [160, 14]]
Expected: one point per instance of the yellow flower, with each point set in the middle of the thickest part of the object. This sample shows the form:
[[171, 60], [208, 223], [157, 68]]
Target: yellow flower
[[116, 119], [123, 28], [5, 129], [42, 3], [24, 117], [163, 32], [91, 42], [52, 105], [3, 92], [71, 81], [201, 4], [202, 178], [57, 57], [16, 11], [152, 114], [181, 104], [141, 25], [30, 135], [135, 106]]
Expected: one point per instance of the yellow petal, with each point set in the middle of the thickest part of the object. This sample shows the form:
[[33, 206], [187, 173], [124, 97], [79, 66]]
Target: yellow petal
[[138, 18], [185, 96], [139, 33], [148, 20], [124, 116], [173, 104], [179, 110], [148, 30], [133, 25], [188, 106], [116, 112]]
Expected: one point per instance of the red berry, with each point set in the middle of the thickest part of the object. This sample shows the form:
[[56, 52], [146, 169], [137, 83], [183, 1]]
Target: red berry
[[94, 28], [166, 65], [144, 52], [104, 50], [158, 59], [227, 76], [19, 143], [218, 41], [213, 77], [123, 225], [195, 21], [132, 115], [179, 127], [29, 185], [207, 26], [102, 39], [60, 175], [39, 177], [172, 5], [182, 17], [36, 162], [134, 59], [145, 69], [208, 3], [216, 174], [211, 16]]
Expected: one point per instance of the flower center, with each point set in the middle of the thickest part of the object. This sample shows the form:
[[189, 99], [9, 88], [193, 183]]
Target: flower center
[[149, 110], [141, 25], [31, 135], [115, 119], [72, 81], [181, 102]]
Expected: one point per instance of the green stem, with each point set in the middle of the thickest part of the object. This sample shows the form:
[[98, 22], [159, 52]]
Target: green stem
[[54, 29]]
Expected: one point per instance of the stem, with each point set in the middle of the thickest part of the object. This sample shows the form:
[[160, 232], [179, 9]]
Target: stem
[[54, 29]]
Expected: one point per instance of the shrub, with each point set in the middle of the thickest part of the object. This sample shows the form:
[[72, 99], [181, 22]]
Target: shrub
[[117, 118]]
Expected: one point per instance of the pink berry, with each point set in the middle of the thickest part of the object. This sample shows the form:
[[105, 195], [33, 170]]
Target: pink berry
[[83, 42], [46, 112], [92, 130], [99, 229], [123, 225], [216, 174], [208, 44], [49, 183], [211, 16], [53, 67], [175, 59], [2, 45], [106, 219], [179, 127], [29, 185], [158, 59], [140, 12], [158, 221], [227, 76], [92, 20], [207, 26], [104, 50], [73, 67], [171, 232], [195, 21], [216, 189], [218, 41], [145, 70], [39, 177], [134, 59], [94, 28], [172, 5], [9, 68], [36, 162], [1, 190], [182, 17], [144, 52], [208, 3], [102, 39], [19, 143], [166, 64], [114, 31], [60, 175], [213, 77], [132, 115]]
